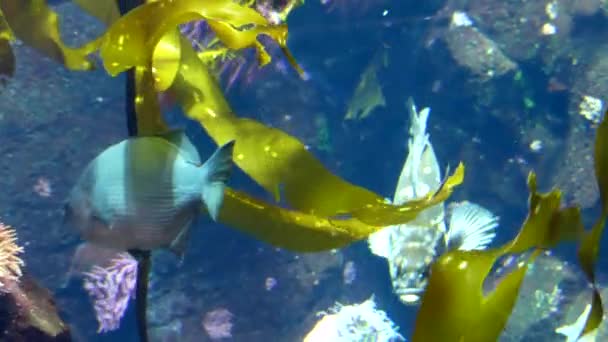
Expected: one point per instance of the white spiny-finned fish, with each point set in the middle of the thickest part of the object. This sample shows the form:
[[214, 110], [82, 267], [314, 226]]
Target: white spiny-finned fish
[[143, 193], [411, 248]]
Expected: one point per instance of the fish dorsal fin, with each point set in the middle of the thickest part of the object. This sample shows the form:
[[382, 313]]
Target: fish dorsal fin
[[180, 139], [471, 227], [216, 172], [420, 173]]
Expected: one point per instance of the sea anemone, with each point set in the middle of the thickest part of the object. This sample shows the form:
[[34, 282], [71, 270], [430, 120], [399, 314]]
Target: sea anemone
[[10, 262]]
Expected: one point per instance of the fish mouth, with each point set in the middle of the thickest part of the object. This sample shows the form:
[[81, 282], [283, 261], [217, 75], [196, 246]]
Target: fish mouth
[[410, 296]]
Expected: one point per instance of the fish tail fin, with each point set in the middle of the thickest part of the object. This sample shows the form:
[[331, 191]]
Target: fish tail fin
[[217, 170], [471, 227]]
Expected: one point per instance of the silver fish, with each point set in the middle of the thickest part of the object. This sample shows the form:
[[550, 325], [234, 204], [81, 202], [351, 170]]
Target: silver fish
[[143, 193], [411, 248]]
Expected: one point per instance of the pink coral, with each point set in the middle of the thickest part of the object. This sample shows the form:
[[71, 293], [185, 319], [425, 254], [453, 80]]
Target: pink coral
[[111, 288], [218, 323]]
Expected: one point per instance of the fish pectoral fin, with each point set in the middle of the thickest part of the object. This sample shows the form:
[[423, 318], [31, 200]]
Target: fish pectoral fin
[[217, 171], [471, 227], [379, 242], [180, 243]]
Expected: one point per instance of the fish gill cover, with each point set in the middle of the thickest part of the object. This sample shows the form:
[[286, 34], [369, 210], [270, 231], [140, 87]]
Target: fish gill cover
[[148, 39]]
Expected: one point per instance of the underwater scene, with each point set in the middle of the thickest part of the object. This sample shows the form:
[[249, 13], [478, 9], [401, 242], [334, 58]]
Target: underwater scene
[[291, 170]]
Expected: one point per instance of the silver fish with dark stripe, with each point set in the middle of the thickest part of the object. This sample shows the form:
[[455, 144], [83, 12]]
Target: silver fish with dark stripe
[[144, 193], [411, 248]]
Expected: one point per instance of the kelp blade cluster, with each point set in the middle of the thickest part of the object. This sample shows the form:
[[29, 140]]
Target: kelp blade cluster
[[34, 23], [7, 67], [147, 39], [271, 157], [590, 246], [454, 307]]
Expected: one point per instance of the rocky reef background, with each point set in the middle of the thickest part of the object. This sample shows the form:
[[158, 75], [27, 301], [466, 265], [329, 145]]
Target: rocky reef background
[[508, 94]]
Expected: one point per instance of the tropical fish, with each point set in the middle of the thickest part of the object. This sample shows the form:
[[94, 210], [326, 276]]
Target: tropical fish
[[143, 193], [411, 248]]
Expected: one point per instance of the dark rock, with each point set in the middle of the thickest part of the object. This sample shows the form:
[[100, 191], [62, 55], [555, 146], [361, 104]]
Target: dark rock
[[28, 313]]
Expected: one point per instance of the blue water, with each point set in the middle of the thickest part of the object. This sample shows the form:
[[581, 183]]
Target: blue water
[[57, 120]]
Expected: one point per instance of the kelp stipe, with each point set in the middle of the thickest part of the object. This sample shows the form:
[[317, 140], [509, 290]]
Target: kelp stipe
[[144, 259]]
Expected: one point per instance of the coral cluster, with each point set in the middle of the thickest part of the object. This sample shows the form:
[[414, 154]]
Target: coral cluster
[[218, 323], [111, 289]]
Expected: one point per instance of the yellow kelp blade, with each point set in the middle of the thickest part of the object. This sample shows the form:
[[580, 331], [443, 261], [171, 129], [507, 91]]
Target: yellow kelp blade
[[498, 304], [601, 162], [547, 223], [194, 88], [133, 38], [590, 246], [104, 10], [454, 307], [33, 22], [165, 59], [149, 116], [235, 39], [5, 31], [454, 304], [453, 296], [289, 229], [7, 57], [277, 160], [380, 212]]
